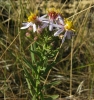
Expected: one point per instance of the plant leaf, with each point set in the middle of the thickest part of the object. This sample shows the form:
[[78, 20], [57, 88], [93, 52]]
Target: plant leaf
[[30, 65], [52, 97], [49, 67], [37, 53], [28, 77]]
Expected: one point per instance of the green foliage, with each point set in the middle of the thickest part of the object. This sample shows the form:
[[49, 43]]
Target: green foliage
[[41, 52]]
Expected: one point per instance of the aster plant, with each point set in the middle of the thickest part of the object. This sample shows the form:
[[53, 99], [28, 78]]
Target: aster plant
[[43, 55]]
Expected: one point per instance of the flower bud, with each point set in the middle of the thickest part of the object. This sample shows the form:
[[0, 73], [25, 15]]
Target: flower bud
[[39, 30], [35, 38], [28, 34]]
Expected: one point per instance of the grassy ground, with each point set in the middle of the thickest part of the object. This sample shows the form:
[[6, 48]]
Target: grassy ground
[[73, 71]]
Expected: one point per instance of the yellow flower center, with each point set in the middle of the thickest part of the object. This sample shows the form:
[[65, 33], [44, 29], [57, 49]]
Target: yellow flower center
[[68, 25], [32, 17]]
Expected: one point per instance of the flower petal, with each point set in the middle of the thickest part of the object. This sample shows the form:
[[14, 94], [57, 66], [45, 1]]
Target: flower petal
[[58, 26], [58, 32], [51, 25], [26, 25], [60, 20], [44, 25], [64, 37], [46, 21], [34, 28], [69, 34], [42, 17]]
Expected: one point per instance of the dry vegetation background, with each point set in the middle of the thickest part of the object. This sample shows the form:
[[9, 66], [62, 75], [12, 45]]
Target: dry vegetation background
[[13, 46]]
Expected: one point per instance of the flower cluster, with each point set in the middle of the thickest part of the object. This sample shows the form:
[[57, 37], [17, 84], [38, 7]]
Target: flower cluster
[[53, 20]]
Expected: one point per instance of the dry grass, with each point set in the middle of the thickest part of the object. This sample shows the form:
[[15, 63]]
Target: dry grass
[[13, 44]]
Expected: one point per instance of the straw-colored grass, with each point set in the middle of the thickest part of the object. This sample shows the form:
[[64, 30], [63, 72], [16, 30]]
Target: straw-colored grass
[[72, 75]]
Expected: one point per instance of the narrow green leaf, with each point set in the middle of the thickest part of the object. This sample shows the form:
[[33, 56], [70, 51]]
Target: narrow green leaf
[[51, 97], [37, 53], [32, 54], [33, 98], [29, 78], [54, 96], [30, 65], [49, 67], [55, 83]]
